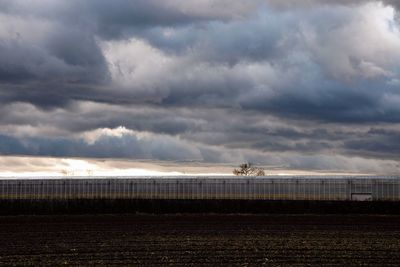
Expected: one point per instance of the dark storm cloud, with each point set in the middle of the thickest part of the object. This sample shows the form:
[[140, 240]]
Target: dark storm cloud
[[338, 102], [311, 3], [200, 127], [254, 39], [120, 18], [104, 147], [48, 64], [54, 43], [64, 55], [70, 59], [376, 143], [306, 80], [206, 79]]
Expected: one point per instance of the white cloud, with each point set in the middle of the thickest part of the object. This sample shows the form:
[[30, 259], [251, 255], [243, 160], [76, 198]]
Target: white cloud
[[351, 42], [370, 70]]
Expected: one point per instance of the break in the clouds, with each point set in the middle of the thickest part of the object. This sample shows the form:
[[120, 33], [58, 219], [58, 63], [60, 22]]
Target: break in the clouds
[[301, 84]]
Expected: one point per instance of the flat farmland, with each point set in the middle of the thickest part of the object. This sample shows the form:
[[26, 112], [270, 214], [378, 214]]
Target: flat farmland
[[199, 240]]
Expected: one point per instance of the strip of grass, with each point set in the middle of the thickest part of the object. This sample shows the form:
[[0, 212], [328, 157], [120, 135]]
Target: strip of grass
[[83, 206]]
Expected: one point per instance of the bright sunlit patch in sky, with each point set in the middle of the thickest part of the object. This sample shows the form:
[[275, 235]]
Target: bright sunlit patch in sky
[[71, 167], [67, 167]]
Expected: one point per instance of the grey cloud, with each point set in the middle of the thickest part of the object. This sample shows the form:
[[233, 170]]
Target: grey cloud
[[161, 150], [304, 81], [46, 51], [336, 103], [310, 3], [211, 71], [198, 126], [46, 63], [376, 143], [230, 80], [105, 147], [118, 18], [255, 39]]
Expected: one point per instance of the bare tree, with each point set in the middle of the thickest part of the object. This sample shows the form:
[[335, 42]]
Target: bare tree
[[247, 169]]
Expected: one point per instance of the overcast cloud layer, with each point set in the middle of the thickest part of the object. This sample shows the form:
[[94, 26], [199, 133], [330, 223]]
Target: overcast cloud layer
[[301, 84]]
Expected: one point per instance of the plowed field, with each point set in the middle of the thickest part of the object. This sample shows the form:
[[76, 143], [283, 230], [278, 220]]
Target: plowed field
[[195, 240]]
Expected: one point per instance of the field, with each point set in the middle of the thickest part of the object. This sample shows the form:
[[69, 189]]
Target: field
[[195, 240]]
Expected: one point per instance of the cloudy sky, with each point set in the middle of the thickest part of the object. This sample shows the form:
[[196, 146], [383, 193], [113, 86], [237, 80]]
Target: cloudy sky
[[302, 85]]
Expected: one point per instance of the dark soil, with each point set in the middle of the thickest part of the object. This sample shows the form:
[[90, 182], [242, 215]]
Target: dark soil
[[195, 240]]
